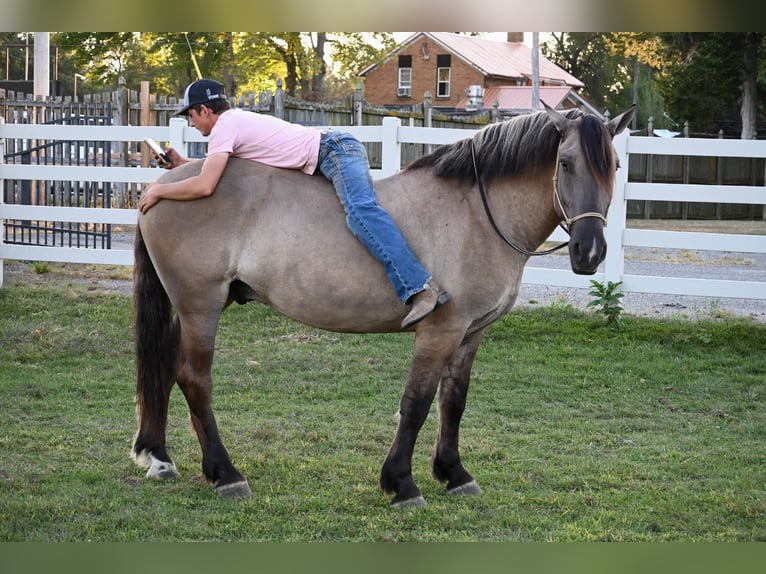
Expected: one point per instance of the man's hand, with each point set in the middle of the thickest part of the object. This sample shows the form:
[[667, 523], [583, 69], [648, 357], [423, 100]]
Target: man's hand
[[148, 199], [175, 158]]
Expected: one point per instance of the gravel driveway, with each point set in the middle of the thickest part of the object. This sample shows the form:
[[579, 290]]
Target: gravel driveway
[[665, 263]]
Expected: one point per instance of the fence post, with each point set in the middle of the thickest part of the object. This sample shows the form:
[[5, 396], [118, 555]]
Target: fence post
[[391, 149], [279, 101], [176, 135], [428, 118], [357, 118], [614, 264], [122, 119], [649, 168]]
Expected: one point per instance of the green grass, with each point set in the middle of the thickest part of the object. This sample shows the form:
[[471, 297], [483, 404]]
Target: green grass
[[574, 430]]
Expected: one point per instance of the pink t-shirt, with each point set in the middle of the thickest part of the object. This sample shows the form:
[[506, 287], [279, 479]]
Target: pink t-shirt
[[265, 139]]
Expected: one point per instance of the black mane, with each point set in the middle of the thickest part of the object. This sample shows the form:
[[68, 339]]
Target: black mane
[[517, 145]]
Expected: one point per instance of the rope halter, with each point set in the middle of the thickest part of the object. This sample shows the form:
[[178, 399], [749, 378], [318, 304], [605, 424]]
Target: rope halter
[[558, 205]]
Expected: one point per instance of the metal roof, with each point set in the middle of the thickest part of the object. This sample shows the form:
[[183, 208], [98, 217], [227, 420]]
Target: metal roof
[[519, 98]]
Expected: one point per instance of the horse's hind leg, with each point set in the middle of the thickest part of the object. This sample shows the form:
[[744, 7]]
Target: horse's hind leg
[[453, 391], [195, 380], [156, 377]]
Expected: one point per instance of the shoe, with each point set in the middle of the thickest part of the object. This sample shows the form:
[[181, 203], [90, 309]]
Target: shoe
[[424, 303]]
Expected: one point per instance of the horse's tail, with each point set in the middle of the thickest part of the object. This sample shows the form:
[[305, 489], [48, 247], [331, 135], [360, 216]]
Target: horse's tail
[[157, 340]]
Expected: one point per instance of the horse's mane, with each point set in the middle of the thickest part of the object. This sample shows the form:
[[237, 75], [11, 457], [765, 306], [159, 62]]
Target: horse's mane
[[522, 143]]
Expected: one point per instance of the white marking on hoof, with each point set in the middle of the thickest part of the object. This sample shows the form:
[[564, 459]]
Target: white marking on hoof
[[161, 470], [467, 489], [235, 490], [417, 502]]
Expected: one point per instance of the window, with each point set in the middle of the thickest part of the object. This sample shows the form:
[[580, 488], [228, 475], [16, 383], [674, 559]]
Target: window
[[443, 75], [404, 87]]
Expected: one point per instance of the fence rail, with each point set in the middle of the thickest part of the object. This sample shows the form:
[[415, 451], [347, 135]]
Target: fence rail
[[391, 136]]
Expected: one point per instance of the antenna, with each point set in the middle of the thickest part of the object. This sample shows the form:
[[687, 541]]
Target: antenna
[[194, 60]]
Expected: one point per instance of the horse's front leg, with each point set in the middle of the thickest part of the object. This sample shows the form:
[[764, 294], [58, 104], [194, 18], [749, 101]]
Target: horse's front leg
[[195, 380], [453, 392], [432, 352]]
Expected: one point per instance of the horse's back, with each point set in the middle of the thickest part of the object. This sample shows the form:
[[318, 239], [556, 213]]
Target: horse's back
[[283, 235]]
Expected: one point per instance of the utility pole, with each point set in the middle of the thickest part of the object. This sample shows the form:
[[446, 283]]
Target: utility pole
[[42, 78], [535, 71]]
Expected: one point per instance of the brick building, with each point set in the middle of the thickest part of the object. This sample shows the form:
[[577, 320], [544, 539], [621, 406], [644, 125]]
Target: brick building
[[447, 64]]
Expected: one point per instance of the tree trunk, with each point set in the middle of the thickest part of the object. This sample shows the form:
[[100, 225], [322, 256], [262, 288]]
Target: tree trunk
[[317, 78], [750, 86]]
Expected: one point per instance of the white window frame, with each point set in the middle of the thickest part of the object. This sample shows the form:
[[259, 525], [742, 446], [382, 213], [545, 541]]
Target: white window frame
[[404, 84], [443, 83]]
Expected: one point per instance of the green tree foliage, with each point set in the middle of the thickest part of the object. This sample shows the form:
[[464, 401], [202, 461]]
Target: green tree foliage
[[587, 56], [712, 80], [704, 76], [243, 61], [613, 74]]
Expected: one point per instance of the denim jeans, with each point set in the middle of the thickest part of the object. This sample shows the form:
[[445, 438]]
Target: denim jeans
[[343, 160]]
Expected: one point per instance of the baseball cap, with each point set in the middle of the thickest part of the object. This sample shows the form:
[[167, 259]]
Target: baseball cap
[[201, 92]]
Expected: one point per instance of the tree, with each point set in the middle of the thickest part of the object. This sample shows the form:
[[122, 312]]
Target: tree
[[303, 55], [242, 61], [713, 80], [587, 56]]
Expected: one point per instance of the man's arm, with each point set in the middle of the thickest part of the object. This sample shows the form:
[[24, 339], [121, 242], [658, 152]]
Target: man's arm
[[194, 187]]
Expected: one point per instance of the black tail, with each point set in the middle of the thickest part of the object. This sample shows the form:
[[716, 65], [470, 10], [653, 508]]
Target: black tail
[[157, 339]]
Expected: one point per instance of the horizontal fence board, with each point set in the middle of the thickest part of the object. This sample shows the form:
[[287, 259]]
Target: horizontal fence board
[[696, 193], [696, 241], [694, 286], [70, 214], [696, 147], [440, 136], [66, 254], [558, 277], [84, 133], [80, 173]]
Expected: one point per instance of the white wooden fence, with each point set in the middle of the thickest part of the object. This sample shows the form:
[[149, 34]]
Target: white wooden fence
[[392, 134]]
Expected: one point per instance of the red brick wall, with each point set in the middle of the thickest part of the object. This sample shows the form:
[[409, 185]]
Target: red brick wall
[[381, 82]]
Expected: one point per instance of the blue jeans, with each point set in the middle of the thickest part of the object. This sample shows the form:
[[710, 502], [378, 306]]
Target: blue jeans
[[343, 160]]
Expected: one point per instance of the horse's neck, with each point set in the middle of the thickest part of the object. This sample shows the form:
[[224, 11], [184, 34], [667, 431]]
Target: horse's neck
[[523, 208]]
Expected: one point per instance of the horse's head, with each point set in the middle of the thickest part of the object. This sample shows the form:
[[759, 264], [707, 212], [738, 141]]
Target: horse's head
[[583, 182]]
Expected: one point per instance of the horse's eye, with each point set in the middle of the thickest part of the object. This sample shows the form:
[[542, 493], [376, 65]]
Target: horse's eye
[[618, 165], [564, 165]]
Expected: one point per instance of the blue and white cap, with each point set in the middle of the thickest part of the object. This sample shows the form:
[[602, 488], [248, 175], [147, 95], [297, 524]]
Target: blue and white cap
[[201, 92]]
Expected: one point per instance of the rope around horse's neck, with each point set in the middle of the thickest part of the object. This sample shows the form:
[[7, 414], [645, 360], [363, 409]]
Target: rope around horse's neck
[[517, 248]]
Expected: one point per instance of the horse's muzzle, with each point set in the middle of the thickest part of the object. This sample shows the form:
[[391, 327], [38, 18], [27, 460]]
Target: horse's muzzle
[[587, 246]]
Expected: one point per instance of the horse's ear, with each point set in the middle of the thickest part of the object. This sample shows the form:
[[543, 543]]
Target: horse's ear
[[558, 119], [619, 123]]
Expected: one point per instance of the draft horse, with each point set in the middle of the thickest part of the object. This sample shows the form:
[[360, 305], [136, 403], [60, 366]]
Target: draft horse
[[278, 237]]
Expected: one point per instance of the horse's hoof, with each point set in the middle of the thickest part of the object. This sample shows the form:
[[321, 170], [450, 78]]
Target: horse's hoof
[[235, 490], [417, 502], [162, 470], [467, 489]]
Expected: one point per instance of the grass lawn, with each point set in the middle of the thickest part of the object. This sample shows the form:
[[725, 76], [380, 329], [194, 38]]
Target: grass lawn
[[575, 431]]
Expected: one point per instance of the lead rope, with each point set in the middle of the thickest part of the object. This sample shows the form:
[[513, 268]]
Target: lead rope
[[483, 194]]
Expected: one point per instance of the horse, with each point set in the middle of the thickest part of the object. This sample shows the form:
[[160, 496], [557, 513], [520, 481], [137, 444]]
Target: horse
[[473, 211]]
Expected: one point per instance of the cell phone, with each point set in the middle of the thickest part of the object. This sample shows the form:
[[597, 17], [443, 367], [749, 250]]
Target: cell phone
[[157, 150]]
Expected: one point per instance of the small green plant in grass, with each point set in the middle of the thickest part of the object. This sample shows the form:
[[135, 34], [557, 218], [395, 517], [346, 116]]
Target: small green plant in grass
[[41, 267], [607, 299]]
